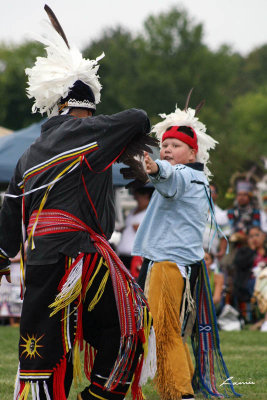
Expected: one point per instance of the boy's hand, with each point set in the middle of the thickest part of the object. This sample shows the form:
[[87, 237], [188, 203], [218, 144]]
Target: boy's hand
[[151, 167]]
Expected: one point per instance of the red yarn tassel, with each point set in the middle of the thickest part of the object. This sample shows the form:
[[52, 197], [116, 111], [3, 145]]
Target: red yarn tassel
[[59, 380], [137, 393], [89, 358], [21, 387]]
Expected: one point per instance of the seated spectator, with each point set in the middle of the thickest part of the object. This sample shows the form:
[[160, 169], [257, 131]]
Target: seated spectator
[[262, 195], [260, 293], [237, 241], [132, 222], [246, 263], [244, 214]]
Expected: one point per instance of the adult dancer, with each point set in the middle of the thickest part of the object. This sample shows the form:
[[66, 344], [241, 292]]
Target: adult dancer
[[74, 285]]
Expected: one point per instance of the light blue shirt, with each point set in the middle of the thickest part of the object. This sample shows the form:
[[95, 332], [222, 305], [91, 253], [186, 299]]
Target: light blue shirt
[[172, 229]]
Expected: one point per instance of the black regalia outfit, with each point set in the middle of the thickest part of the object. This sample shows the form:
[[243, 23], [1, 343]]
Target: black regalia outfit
[[77, 293]]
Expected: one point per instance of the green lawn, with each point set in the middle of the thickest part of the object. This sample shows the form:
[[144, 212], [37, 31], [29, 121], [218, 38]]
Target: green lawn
[[245, 354]]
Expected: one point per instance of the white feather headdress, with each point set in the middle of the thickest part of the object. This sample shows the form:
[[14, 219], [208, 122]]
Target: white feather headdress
[[187, 118], [51, 77]]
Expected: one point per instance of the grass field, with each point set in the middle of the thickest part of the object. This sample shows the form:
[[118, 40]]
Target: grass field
[[245, 354]]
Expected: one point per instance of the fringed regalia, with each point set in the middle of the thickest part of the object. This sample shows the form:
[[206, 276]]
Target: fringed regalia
[[176, 317], [210, 371], [66, 313], [62, 191]]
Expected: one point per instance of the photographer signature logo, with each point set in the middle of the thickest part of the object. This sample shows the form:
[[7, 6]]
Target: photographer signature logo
[[230, 381]]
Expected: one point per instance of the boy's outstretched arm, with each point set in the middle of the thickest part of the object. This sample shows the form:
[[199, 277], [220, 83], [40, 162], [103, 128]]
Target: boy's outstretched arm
[[150, 165]]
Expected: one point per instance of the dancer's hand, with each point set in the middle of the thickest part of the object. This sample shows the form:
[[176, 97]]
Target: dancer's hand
[[4, 267], [151, 167]]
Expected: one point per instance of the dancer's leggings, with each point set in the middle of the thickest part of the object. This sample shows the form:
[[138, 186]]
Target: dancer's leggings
[[101, 329]]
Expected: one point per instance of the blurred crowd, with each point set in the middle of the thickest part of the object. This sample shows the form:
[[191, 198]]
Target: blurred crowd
[[235, 254]]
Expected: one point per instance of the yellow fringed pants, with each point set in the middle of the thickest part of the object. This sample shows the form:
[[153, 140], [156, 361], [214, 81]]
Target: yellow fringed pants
[[174, 365]]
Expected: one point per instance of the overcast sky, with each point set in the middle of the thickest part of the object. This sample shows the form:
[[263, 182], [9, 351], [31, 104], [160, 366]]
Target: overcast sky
[[239, 23]]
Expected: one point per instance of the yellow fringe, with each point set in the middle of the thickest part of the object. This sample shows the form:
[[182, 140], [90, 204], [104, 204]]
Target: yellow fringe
[[147, 327], [95, 273], [22, 271], [25, 393], [96, 395], [99, 292], [63, 302], [174, 369], [77, 370]]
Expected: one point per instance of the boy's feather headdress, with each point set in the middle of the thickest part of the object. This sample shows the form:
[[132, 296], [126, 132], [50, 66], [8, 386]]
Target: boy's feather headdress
[[188, 117], [51, 78]]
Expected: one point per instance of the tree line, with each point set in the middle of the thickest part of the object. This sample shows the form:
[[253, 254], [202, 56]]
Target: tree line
[[154, 70]]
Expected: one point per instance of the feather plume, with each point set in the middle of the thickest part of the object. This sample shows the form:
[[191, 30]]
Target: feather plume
[[136, 171], [135, 149], [188, 99], [52, 76], [188, 118], [199, 106], [56, 24]]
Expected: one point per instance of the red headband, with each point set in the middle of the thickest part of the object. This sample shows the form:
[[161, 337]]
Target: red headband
[[174, 132]]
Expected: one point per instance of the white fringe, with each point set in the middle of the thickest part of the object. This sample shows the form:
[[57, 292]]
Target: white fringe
[[17, 385], [33, 391], [37, 391], [70, 283], [46, 391], [190, 301], [150, 363]]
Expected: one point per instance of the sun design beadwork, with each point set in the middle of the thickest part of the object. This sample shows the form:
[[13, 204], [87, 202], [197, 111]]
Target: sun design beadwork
[[31, 346]]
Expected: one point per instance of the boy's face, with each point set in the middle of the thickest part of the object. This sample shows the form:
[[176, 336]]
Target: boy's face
[[177, 152]]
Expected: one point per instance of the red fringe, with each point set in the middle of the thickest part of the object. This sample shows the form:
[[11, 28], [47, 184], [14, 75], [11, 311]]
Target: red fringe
[[21, 387], [137, 393], [89, 358], [58, 380], [87, 272], [141, 335]]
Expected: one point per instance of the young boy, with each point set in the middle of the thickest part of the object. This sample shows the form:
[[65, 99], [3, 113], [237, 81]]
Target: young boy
[[170, 240]]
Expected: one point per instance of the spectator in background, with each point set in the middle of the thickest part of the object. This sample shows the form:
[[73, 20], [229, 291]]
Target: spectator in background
[[217, 244], [244, 214], [142, 196], [260, 294], [10, 300], [246, 263], [263, 201], [237, 241]]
